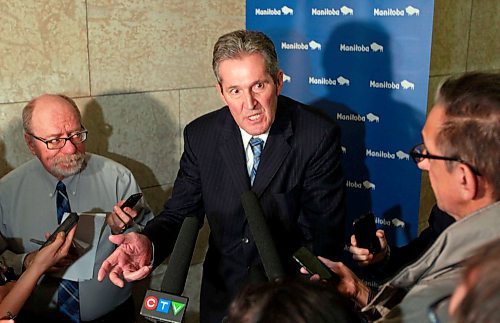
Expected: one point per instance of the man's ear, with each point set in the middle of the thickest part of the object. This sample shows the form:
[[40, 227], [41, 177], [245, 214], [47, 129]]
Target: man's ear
[[279, 84], [30, 142], [221, 93], [468, 182]]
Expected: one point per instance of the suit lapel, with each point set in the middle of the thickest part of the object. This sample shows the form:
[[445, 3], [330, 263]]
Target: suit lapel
[[275, 150], [232, 152]]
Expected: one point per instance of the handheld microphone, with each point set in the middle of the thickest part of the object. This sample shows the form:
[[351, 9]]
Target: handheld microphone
[[262, 236], [168, 305]]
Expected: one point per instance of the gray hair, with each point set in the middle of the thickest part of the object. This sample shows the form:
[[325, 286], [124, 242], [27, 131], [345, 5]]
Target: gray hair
[[471, 130], [239, 43]]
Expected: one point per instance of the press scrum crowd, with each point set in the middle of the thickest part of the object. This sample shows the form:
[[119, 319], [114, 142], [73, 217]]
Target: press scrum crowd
[[289, 156]]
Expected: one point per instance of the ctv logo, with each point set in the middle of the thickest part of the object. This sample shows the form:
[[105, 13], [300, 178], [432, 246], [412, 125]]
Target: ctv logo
[[162, 305]]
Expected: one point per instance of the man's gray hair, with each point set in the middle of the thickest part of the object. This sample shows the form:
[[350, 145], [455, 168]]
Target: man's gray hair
[[239, 43], [471, 130]]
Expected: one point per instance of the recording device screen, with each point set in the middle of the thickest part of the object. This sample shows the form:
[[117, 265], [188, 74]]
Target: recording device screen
[[313, 265], [70, 221], [364, 231]]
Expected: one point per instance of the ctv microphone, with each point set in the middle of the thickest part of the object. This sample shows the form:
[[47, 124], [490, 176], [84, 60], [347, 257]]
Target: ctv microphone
[[262, 236], [167, 305]]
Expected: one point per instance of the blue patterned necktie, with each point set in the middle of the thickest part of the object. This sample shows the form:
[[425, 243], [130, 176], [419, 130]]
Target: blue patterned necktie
[[256, 145], [67, 294]]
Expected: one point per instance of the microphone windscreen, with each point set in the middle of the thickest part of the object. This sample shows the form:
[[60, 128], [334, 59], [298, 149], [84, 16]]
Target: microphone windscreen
[[175, 276], [262, 236]]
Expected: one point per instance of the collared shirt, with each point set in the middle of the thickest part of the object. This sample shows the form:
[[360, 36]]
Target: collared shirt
[[28, 210], [245, 136]]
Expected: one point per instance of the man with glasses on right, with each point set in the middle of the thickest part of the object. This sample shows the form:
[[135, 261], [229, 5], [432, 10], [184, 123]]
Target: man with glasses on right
[[461, 153]]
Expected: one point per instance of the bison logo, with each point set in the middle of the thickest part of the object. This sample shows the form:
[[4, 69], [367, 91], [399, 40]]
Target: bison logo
[[343, 81], [346, 11], [287, 11], [376, 47], [407, 85], [368, 185], [402, 155], [372, 117], [412, 11]]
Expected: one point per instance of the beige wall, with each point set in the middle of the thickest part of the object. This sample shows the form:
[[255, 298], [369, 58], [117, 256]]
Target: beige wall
[[140, 70]]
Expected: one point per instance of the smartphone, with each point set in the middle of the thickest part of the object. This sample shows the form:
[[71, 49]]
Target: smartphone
[[132, 200], [70, 221], [313, 265], [364, 231]]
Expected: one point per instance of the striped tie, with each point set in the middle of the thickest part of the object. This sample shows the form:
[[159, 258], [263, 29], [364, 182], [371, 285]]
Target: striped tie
[[67, 293], [256, 145]]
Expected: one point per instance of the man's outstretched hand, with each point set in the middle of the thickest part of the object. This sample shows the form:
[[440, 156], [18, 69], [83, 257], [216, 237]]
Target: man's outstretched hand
[[130, 261]]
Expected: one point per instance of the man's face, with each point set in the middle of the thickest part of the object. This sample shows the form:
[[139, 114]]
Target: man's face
[[442, 180], [250, 92], [53, 117]]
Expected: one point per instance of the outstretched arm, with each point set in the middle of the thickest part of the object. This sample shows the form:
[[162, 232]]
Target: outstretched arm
[[44, 259], [132, 259]]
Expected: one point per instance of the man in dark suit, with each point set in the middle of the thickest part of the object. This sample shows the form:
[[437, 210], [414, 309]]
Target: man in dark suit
[[261, 141]]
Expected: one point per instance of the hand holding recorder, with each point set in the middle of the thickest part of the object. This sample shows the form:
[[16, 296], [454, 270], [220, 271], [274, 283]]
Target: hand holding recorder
[[123, 214], [368, 245]]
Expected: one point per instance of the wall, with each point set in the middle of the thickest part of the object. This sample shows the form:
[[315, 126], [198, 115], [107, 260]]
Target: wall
[[140, 70]]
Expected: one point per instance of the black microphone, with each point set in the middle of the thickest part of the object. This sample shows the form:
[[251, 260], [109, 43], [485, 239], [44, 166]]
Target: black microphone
[[167, 305], [262, 236]]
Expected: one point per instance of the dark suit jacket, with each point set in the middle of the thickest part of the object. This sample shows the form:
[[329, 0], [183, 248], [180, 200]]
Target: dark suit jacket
[[299, 184]]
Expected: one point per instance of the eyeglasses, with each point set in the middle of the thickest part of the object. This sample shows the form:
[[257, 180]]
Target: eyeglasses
[[432, 311], [419, 153], [58, 143]]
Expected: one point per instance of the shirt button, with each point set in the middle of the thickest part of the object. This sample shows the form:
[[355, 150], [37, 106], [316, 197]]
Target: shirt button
[[244, 240]]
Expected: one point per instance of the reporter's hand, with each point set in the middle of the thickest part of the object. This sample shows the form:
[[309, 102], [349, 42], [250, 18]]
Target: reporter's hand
[[119, 220], [57, 254], [349, 284], [363, 257]]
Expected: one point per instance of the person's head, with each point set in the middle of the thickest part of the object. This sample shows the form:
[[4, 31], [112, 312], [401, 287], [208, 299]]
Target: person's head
[[477, 297], [462, 132], [289, 301], [48, 121], [248, 78]]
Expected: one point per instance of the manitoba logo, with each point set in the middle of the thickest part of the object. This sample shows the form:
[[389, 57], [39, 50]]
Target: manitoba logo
[[313, 45], [342, 81], [365, 185], [286, 11], [344, 10], [405, 85], [396, 12], [400, 155], [362, 48], [394, 222]]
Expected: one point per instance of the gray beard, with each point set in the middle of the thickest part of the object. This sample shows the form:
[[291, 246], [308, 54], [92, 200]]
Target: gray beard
[[77, 163]]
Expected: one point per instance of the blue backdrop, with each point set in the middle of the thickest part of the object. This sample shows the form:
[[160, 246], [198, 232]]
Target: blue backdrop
[[366, 63]]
